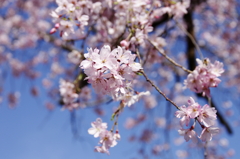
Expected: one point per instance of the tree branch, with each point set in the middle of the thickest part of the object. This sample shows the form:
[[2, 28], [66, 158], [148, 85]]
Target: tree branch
[[159, 91], [168, 58]]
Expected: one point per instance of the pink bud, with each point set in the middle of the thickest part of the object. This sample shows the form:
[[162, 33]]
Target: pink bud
[[124, 43], [53, 30], [57, 25]]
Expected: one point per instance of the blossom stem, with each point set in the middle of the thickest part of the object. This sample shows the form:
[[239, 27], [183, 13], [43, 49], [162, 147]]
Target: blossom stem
[[202, 126], [116, 114], [159, 91]]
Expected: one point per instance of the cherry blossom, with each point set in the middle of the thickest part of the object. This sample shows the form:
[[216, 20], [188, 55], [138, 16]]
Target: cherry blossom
[[193, 108], [97, 127], [207, 115], [68, 94], [183, 114], [111, 72], [204, 76], [207, 133], [132, 37], [107, 138], [180, 8], [188, 134]]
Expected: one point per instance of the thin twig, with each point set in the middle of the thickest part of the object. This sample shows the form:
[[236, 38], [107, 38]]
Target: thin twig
[[209, 101], [205, 151], [138, 55], [159, 91], [192, 39], [168, 58]]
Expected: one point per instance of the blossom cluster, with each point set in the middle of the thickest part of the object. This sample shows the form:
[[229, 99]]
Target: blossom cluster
[[70, 98], [204, 76], [206, 117], [68, 94], [110, 19], [111, 73], [177, 9], [70, 15], [107, 138]]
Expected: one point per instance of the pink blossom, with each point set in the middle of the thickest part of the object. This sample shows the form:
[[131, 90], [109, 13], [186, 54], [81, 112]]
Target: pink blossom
[[53, 30], [134, 65], [160, 11], [98, 81], [193, 83], [63, 5], [193, 108], [104, 59], [65, 87], [207, 115], [68, 94], [72, 20], [124, 44], [180, 8], [66, 28], [125, 71], [139, 37], [129, 99], [97, 127], [216, 68], [88, 63], [111, 72], [204, 76], [102, 149], [208, 132], [188, 134], [121, 54], [107, 140], [183, 113]]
